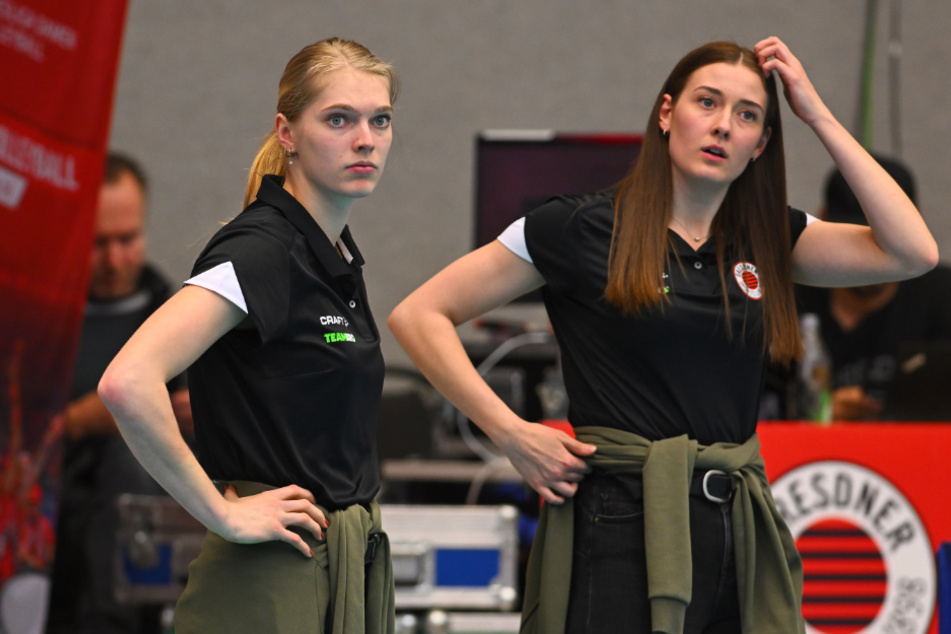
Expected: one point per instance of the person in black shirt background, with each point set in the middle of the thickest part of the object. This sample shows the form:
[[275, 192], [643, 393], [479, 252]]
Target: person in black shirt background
[[864, 326], [97, 465]]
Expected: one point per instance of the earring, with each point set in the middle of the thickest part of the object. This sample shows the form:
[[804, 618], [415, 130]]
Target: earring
[[666, 133], [290, 156]]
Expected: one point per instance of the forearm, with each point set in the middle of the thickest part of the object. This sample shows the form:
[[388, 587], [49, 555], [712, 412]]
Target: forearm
[[897, 227], [143, 413], [431, 341]]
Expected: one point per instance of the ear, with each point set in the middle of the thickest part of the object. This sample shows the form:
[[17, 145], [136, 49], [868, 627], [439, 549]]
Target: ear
[[761, 146], [666, 109], [285, 135]]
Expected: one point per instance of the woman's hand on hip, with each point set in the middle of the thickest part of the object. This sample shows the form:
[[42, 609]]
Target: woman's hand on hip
[[550, 460], [268, 516]]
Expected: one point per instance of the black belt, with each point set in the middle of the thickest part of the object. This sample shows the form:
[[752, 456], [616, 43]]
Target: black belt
[[716, 486]]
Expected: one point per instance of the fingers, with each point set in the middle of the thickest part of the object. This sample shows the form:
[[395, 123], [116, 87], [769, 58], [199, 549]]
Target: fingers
[[308, 523], [556, 494], [294, 492], [304, 514], [579, 448], [297, 542], [550, 496], [773, 54]]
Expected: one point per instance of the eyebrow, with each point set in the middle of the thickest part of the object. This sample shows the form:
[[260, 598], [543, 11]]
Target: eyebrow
[[719, 93], [349, 108]]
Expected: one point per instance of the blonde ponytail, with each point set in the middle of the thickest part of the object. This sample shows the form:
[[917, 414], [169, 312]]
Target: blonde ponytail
[[270, 160]]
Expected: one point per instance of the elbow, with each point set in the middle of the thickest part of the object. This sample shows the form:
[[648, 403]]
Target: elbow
[[927, 259], [117, 389], [112, 389], [399, 320], [933, 257]]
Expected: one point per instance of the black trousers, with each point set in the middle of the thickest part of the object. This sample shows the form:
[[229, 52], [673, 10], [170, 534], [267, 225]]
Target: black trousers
[[609, 571]]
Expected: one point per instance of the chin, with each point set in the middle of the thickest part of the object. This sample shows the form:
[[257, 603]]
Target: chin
[[362, 191]]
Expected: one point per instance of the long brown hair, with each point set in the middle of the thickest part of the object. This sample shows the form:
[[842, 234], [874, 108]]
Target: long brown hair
[[753, 213], [301, 83]]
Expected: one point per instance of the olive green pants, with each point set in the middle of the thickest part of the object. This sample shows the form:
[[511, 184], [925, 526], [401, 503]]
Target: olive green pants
[[272, 588]]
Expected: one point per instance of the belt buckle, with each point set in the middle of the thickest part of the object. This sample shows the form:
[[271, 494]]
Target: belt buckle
[[706, 491]]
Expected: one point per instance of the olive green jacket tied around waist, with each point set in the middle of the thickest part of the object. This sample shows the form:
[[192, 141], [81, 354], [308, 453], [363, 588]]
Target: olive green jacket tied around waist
[[769, 570], [270, 587]]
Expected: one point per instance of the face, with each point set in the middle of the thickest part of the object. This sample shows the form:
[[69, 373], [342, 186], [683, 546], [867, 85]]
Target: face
[[119, 251], [716, 124], [342, 137]]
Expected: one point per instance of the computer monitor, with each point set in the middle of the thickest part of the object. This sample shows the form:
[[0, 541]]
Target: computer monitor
[[517, 170]]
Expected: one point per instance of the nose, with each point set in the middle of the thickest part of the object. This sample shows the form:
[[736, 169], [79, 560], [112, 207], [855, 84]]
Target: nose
[[363, 141], [722, 127], [111, 253]]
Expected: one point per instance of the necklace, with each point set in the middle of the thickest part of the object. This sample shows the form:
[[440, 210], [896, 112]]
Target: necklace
[[695, 238]]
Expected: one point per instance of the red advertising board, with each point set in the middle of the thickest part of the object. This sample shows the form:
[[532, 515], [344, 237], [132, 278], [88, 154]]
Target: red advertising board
[[58, 63], [867, 505]]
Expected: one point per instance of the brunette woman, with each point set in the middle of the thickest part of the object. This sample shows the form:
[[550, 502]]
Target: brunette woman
[[667, 296]]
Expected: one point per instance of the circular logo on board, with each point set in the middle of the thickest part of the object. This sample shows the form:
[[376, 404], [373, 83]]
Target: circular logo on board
[[747, 277], [867, 560]]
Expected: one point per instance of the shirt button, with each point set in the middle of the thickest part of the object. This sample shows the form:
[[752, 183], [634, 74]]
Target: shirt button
[[353, 303], [697, 265]]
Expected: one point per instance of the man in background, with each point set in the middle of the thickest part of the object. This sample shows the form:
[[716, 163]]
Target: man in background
[[864, 327], [97, 465]]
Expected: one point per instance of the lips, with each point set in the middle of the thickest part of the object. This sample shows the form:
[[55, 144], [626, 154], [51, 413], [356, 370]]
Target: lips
[[715, 150]]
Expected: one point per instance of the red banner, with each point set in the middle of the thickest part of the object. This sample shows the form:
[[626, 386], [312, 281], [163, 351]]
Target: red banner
[[58, 65]]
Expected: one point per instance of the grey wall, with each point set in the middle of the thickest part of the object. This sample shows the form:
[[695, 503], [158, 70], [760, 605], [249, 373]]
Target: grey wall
[[198, 84]]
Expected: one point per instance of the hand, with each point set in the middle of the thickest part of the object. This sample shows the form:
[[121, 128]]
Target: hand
[[773, 54], [548, 459], [267, 516], [852, 403]]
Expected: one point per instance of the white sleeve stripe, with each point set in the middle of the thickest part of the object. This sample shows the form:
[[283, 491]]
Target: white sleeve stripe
[[513, 238], [222, 280]]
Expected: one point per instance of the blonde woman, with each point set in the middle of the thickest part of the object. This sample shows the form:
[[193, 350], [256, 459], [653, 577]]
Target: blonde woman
[[285, 374]]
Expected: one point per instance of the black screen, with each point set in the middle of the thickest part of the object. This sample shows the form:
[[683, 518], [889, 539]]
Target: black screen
[[516, 172]]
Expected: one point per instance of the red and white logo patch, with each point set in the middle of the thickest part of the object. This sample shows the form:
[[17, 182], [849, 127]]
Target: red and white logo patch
[[747, 277]]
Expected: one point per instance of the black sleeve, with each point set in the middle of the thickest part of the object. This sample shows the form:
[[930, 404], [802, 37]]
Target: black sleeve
[[552, 241], [260, 257], [797, 222]]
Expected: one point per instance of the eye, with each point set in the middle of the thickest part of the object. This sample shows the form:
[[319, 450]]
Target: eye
[[749, 115], [336, 120], [382, 120], [706, 102]]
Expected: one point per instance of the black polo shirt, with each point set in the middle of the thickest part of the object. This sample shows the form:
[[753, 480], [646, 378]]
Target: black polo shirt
[[292, 395], [673, 369]]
